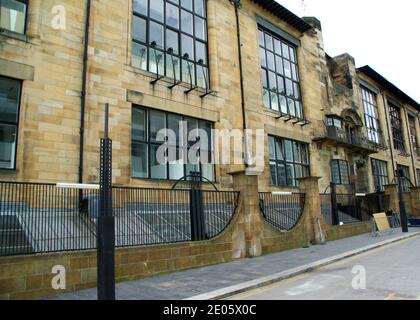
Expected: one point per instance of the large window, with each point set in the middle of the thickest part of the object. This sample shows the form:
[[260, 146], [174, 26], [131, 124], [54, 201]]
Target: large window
[[396, 124], [380, 174], [413, 133], [170, 38], [406, 184], [190, 151], [340, 172], [289, 161], [371, 115], [9, 116], [279, 75], [13, 15]]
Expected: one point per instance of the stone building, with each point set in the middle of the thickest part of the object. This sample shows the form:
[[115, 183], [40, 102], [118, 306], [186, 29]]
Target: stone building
[[162, 61]]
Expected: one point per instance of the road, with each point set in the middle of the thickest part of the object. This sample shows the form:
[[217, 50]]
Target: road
[[391, 273]]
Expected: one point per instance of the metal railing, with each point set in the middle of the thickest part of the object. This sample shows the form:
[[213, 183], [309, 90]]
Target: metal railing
[[283, 212], [346, 208], [357, 138], [41, 218]]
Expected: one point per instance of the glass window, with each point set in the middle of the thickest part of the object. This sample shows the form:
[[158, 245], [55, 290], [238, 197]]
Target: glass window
[[413, 133], [406, 182], [396, 125], [371, 116], [154, 158], [13, 15], [288, 161], [177, 24], [380, 174], [340, 172], [9, 117], [279, 58]]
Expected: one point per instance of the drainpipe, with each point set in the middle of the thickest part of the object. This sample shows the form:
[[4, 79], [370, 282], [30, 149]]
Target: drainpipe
[[83, 93], [411, 146], [237, 4], [394, 169]]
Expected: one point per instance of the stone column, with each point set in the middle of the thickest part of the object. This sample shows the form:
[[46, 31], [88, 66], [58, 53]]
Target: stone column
[[247, 238], [415, 201], [314, 224], [392, 191], [34, 19]]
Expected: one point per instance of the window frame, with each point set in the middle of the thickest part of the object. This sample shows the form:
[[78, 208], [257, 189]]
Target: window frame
[[285, 162], [266, 70], [340, 176], [178, 56], [17, 124], [187, 145], [371, 119], [25, 27], [412, 131], [378, 178], [396, 127]]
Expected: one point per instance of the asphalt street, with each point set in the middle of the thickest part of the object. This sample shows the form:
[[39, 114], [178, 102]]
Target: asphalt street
[[388, 273]]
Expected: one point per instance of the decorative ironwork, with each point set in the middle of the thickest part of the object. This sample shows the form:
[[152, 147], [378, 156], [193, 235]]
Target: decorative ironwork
[[283, 212]]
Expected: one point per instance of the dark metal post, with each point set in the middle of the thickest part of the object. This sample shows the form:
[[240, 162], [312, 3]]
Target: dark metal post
[[403, 213], [334, 209], [106, 222], [198, 228]]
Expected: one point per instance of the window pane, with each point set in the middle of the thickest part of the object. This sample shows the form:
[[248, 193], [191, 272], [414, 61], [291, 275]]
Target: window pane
[[188, 46], [263, 60], [174, 123], [274, 101], [157, 123], [289, 88], [201, 52], [139, 125], [281, 175], [285, 48], [157, 170], [139, 56], [279, 65], [208, 171], [172, 15], [287, 68], [187, 4], [139, 160], [288, 150], [156, 34], [7, 146], [200, 28], [277, 46], [199, 7], [176, 166], [188, 72], [273, 173], [279, 150], [266, 98], [13, 16], [272, 81], [291, 177], [202, 77], [156, 59], [272, 148], [264, 81], [269, 42], [139, 29], [156, 10], [172, 41], [9, 99], [270, 61], [283, 104], [140, 6], [186, 22], [261, 38]]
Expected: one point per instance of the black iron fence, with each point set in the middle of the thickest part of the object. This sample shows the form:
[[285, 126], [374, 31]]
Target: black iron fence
[[42, 218], [282, 211], [349, 208]]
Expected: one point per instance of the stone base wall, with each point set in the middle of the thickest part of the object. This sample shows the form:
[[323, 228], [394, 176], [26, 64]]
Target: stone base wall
[[340, 232]]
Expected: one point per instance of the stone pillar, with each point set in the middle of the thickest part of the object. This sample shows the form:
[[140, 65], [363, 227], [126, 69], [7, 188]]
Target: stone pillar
[[314, 224], [247, 238], [34, 19], [392, 191], [415, 201]]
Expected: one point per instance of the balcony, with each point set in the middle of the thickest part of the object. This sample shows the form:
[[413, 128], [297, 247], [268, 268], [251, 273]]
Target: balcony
[[356, 140]]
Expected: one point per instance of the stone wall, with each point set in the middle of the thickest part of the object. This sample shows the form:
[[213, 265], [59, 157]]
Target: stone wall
[[340, 232]]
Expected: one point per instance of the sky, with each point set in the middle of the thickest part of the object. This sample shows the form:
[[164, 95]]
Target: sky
[[384, 34]]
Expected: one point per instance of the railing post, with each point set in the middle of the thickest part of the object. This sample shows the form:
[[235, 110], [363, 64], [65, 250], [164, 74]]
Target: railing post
[[334, 206], [106, 222], [198, 226], [314, 222]]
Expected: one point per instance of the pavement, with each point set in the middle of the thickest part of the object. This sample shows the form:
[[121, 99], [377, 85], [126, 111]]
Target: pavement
[[387, 273], [224, 280]]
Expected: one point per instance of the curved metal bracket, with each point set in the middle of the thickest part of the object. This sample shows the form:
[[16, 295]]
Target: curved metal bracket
[[189, 176]]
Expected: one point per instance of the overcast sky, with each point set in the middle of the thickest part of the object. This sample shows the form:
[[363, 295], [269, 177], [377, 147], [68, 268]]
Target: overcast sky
[[384, 34]]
